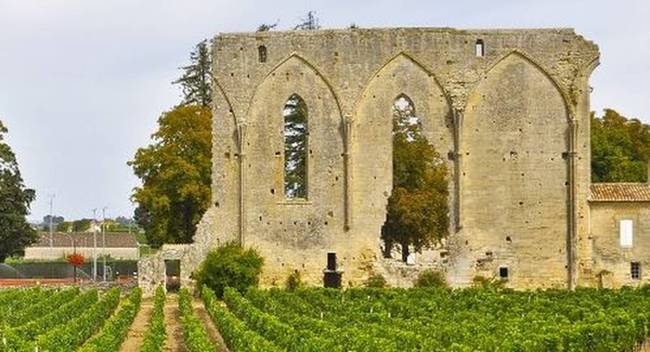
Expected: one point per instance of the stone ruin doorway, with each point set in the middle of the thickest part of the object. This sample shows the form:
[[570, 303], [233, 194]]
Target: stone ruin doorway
[[172, 275]]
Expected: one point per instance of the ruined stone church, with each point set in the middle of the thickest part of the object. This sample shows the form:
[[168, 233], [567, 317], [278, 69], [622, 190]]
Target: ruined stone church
[[507, 109]]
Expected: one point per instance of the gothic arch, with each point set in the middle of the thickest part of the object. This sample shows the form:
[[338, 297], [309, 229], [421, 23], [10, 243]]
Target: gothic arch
[[402, 55], [293, 57], [523, 56], [265, 157], [515, 178], [372, 125]]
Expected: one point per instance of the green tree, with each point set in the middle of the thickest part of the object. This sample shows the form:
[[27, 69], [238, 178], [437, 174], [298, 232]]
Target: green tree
[[196, 80], [175, 173], [295, 147], [417, 210], [81, 225], [65, 226], [620, 148], [56, 220], [15, 199]]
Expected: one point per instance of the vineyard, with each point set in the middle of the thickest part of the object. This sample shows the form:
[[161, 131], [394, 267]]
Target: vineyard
[[475, 319], [63, 320], [433, 320]]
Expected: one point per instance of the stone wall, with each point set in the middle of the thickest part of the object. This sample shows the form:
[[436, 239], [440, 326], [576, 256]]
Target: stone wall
[[513, 124], [611, 261]]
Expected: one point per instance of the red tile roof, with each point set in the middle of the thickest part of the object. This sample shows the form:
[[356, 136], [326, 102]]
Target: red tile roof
[[620, 192], [85, 239]]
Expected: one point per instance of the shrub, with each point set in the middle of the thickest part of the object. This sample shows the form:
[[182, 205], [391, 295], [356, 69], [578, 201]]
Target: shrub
[[430, 278], [376, 281], [294, 281], [230, 266]]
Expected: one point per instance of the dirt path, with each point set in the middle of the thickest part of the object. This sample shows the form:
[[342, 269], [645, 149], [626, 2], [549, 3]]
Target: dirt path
[[174, 341], [211, 329], [140, 324]]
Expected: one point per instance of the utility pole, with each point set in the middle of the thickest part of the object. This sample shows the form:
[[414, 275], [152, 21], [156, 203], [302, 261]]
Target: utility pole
[[95, 244], [51, 196], [104, 239]]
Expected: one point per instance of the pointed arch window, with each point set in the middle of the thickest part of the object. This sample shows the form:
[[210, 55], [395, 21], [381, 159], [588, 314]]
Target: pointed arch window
[[405, 120], [296, 133]]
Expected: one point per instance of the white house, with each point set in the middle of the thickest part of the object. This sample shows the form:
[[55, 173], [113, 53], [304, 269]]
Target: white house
[[117, 245]]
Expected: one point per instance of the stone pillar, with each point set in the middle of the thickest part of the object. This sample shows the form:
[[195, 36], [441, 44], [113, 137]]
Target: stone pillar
[[572, 206], [457, 156], [347, 131], [241, 139]]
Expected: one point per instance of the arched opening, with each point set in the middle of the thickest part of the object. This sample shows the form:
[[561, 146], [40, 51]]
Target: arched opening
[[261, 51], [417, 209], [296, 135]]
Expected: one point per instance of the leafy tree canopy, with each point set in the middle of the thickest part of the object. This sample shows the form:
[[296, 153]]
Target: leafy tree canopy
[[15, 199], [175, 171], [417, 210], [56, 220], [81, 225], [620, 148]]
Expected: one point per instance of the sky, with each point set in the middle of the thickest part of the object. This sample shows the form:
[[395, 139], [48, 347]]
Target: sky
[[82, 82]]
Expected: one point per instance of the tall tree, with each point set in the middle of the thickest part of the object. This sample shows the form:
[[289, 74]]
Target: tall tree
[[417, 210], [196, 80], [295, 147], [620, 148], [175, 171], [15, 199]]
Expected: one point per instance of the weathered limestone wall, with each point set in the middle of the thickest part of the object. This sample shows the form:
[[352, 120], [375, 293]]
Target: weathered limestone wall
[[514, 200], [513, 124], [611, 262]]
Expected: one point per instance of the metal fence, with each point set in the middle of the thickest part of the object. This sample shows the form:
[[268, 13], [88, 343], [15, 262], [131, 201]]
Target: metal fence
[[61, 270]]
